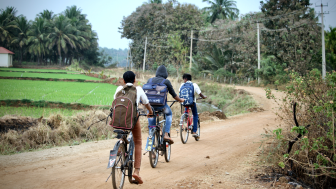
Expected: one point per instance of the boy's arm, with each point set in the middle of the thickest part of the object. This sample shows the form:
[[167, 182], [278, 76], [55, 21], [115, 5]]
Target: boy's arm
[[198, 91], [149, 108]]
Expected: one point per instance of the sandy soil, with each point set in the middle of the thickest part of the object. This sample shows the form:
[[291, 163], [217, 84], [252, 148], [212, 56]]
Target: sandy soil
[[231, 145]]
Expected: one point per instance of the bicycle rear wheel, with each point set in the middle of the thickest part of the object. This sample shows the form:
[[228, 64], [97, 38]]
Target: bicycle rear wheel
[[118, 170], [154, 153], [198, 131], [184, 132], [130, 162]]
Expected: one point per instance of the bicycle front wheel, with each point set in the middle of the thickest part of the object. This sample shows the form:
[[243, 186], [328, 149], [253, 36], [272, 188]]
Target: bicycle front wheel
[[118, 170], [154, 153], [184, 131]]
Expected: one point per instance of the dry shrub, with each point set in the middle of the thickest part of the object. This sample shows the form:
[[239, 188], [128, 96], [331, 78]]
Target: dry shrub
[[58, 130], [312, 157]]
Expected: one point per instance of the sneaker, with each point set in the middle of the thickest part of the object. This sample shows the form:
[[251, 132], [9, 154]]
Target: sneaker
[[194, 134]]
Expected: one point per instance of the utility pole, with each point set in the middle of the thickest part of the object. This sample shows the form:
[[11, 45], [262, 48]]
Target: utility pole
[[191, 37], [144, 62], [323, 45], [258, 53]]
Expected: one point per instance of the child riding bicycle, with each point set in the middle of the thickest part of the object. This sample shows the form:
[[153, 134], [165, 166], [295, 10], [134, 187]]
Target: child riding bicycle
[[194, 88], [129, 80]]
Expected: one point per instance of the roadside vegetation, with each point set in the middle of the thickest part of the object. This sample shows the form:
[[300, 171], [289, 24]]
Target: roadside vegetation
[[56, 130], [306, 148]]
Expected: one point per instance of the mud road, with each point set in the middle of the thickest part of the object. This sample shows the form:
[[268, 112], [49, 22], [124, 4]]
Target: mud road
[[231, 145]]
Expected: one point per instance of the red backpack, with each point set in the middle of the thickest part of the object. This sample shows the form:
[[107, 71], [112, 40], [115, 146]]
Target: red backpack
[[125, 109]]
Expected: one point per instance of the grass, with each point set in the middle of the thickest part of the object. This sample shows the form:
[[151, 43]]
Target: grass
[[48, 75], [35, 112], [66, 92], [34, 70], [227, 99]]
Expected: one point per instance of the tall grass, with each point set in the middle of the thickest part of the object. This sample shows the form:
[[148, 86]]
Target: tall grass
[[57, 131]]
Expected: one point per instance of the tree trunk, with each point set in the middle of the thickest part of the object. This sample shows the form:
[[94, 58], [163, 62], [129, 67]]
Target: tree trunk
[[60, 60], [21, 56]]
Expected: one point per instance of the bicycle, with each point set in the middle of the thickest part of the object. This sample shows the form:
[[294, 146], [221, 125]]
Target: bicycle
[[186, 125], [121, 158], [155, 140]]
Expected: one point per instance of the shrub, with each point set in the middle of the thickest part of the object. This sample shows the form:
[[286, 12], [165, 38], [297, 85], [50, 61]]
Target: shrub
[[312, 157]]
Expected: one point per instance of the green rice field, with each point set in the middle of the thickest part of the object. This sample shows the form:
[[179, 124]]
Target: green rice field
[[34, 70], [48, 75], [66, 92], [36, 112]]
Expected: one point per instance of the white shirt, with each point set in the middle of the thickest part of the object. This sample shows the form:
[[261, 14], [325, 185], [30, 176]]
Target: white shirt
[[140, 94], [196, 88]]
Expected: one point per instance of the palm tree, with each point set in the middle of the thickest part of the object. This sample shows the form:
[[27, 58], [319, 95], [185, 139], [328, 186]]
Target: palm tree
[[21, 39], [61, 36], [222, 9], [7, 17], [46, 14], [37, 38], [217, 58]]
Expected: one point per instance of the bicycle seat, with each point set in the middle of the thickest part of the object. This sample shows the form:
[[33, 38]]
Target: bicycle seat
[[122, 132]]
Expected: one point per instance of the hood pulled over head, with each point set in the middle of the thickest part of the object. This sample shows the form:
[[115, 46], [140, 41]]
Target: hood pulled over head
[[161, 72]]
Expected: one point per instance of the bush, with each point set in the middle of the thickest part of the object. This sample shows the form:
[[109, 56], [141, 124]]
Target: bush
[[312, 157]]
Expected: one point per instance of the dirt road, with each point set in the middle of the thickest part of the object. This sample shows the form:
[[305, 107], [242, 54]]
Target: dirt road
[[230, 144]]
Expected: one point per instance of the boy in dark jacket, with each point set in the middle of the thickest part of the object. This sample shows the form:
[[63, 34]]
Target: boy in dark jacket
[[161, 74]]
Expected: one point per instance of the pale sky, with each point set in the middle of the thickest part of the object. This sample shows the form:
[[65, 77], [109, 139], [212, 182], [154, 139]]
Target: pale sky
[[106, 15]]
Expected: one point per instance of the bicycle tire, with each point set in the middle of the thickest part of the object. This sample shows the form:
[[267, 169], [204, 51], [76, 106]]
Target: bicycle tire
[[198, 131], [167, 151], [155, 150], [118, 169], [184, 131]]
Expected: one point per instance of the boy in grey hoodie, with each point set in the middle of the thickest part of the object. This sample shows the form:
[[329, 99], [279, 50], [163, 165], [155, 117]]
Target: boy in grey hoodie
[[161, 74]]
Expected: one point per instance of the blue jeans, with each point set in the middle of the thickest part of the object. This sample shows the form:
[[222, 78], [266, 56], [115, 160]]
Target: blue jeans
[[195, 116], [169, 117]]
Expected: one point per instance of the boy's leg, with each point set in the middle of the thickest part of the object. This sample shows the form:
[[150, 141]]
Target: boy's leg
[[137, 144], [169, 117], [195, 117], [151, 121]]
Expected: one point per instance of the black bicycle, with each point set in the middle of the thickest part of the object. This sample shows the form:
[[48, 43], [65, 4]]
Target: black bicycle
[[121, 159], [155, 141]]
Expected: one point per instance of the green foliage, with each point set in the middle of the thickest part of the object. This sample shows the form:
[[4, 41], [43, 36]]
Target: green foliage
[[330, 46], [49, 38], [316, 107], [221, 9], [157, 22], [272, 71]]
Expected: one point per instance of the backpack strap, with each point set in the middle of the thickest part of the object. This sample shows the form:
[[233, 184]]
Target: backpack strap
[[162, 81], [150, 81]]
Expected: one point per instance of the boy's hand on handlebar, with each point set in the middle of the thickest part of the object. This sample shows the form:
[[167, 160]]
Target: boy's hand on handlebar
[[150, 114]]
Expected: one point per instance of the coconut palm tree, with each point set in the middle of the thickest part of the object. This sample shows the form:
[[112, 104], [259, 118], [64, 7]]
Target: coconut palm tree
[[21, 38], [46, 14], [62, 36], [222, 9], [7, 17], [37, 37]]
